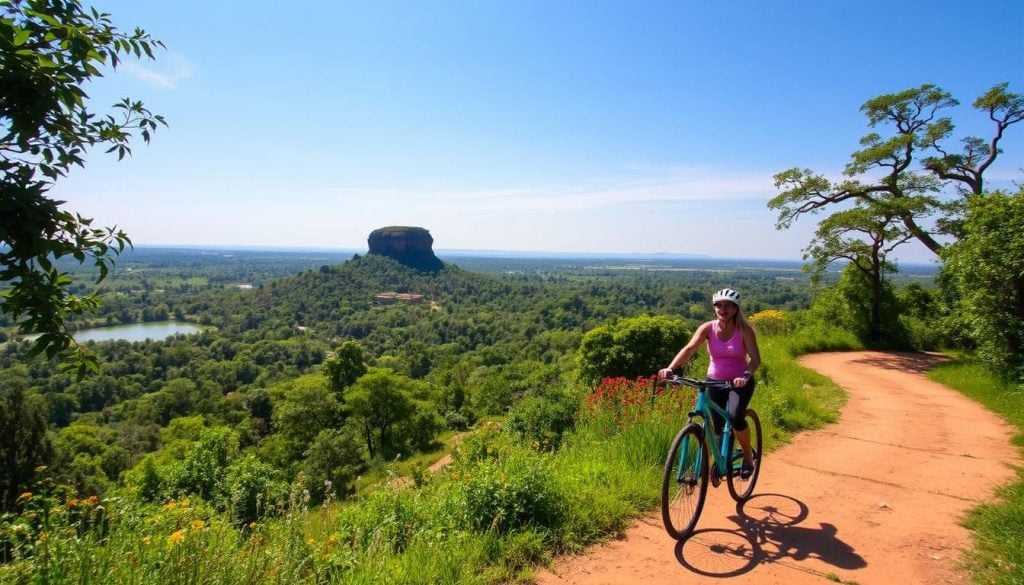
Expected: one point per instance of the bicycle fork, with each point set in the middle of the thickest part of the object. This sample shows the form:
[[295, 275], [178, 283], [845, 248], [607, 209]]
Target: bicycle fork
[[690, 463]]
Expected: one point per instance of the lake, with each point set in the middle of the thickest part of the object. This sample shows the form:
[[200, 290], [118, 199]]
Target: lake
[[137, 331]]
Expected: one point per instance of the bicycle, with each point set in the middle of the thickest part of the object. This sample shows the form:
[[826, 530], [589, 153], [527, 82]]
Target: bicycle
[[688, 469]]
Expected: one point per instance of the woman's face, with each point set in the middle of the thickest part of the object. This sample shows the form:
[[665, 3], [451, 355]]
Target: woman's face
[[725, 310]]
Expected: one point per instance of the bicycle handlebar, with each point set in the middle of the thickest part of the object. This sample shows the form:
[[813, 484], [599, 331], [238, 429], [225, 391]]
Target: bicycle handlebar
[[700, 385]]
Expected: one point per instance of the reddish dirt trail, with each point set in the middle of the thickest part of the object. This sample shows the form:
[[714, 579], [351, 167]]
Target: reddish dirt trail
[[874, 498]]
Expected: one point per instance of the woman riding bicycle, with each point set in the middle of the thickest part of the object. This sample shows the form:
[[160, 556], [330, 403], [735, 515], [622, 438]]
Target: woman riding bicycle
[[732, 345]]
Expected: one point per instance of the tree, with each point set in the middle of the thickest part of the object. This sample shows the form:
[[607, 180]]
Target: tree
[[204, 467], [863, 236], [24, 445], [49, 49], [630, 347], [346, 366], [906, 171], [379, 401], [847, 305], [85, 457], [986, 269], [307, 408], [333, 462]]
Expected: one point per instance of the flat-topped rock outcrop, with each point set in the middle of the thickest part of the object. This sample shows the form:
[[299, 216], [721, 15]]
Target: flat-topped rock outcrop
[[412, 246]]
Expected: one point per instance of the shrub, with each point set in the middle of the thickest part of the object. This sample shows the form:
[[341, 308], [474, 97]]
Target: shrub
[[511, 493], [253, 489], [332, 463], [543, 419], [630, 347]]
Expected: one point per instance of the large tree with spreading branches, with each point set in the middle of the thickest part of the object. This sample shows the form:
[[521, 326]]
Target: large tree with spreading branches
[[909, 184], [906, 171]]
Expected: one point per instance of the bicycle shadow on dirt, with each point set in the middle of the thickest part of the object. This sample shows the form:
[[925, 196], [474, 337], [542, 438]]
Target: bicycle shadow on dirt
[[767, 530]]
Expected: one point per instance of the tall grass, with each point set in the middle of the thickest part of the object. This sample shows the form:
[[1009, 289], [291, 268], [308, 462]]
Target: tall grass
[[998, 527], [501, 508]]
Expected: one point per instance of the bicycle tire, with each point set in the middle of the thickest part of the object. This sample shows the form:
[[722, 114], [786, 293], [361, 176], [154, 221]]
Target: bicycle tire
[[739, 488], [682, 500]]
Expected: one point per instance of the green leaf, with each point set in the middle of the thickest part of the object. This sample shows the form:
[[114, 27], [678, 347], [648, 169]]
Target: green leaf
[[21, 37]]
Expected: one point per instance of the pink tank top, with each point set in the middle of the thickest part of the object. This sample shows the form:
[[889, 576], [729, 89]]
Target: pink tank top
[[728, 358]]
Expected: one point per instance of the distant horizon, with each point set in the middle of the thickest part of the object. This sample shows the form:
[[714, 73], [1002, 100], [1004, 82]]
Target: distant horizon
[[480, 252], [490, 253]]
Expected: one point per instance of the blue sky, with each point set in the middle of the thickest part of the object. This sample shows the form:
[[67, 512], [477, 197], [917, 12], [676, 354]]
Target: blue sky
[[527, 125]]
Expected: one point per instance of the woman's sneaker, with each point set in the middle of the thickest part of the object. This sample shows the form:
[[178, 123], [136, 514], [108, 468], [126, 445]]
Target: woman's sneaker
[[746, 470]]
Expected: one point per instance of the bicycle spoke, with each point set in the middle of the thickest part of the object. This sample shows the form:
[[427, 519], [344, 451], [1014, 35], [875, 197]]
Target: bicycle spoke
[[684, 482], [741, 488]]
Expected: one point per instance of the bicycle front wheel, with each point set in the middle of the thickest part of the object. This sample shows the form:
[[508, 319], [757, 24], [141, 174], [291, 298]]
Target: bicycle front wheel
[[741, 488], [684, 485]]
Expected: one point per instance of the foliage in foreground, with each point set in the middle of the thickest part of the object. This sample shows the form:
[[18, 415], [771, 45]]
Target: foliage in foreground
[[502, 507], [50, 50]]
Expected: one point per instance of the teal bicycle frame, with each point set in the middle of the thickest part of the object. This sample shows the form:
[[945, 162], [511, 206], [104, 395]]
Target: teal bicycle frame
[[686, 474], [721, 459]]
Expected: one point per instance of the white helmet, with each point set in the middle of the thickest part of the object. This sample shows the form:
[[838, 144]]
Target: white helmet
[[726, 294]]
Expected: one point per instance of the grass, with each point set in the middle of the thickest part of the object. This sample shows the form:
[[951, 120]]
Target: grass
[[998, 527], [408, 467], [499, 510]]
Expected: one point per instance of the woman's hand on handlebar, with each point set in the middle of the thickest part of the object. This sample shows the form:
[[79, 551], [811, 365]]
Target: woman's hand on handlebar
[[666, 373]]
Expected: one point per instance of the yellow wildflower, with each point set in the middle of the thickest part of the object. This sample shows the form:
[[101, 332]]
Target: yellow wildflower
[[147, 539], [170, 505], [197, 524], [771, 321], [175, 538]]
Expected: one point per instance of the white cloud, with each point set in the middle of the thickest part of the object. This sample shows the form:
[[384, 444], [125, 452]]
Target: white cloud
[[166, 72], [664, 186]]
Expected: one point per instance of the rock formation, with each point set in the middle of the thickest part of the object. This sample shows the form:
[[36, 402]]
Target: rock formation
[[412, 246]]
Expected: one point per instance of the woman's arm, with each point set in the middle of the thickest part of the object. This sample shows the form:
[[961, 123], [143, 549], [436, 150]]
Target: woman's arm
[[684, 355], [754, 355], [750, 341]]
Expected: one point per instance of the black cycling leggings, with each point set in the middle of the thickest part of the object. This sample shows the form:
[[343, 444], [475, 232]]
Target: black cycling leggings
[[735, 402]]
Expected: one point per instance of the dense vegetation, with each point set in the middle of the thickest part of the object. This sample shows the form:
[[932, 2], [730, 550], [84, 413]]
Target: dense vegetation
[[567, 467], [302, 391], [267, 365]]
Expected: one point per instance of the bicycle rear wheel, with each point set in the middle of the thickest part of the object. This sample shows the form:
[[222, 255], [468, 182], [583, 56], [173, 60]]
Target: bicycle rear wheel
[[741, 488], [684, 485]]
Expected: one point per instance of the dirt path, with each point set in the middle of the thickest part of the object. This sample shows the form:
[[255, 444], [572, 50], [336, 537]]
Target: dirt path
[[874, 498]]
